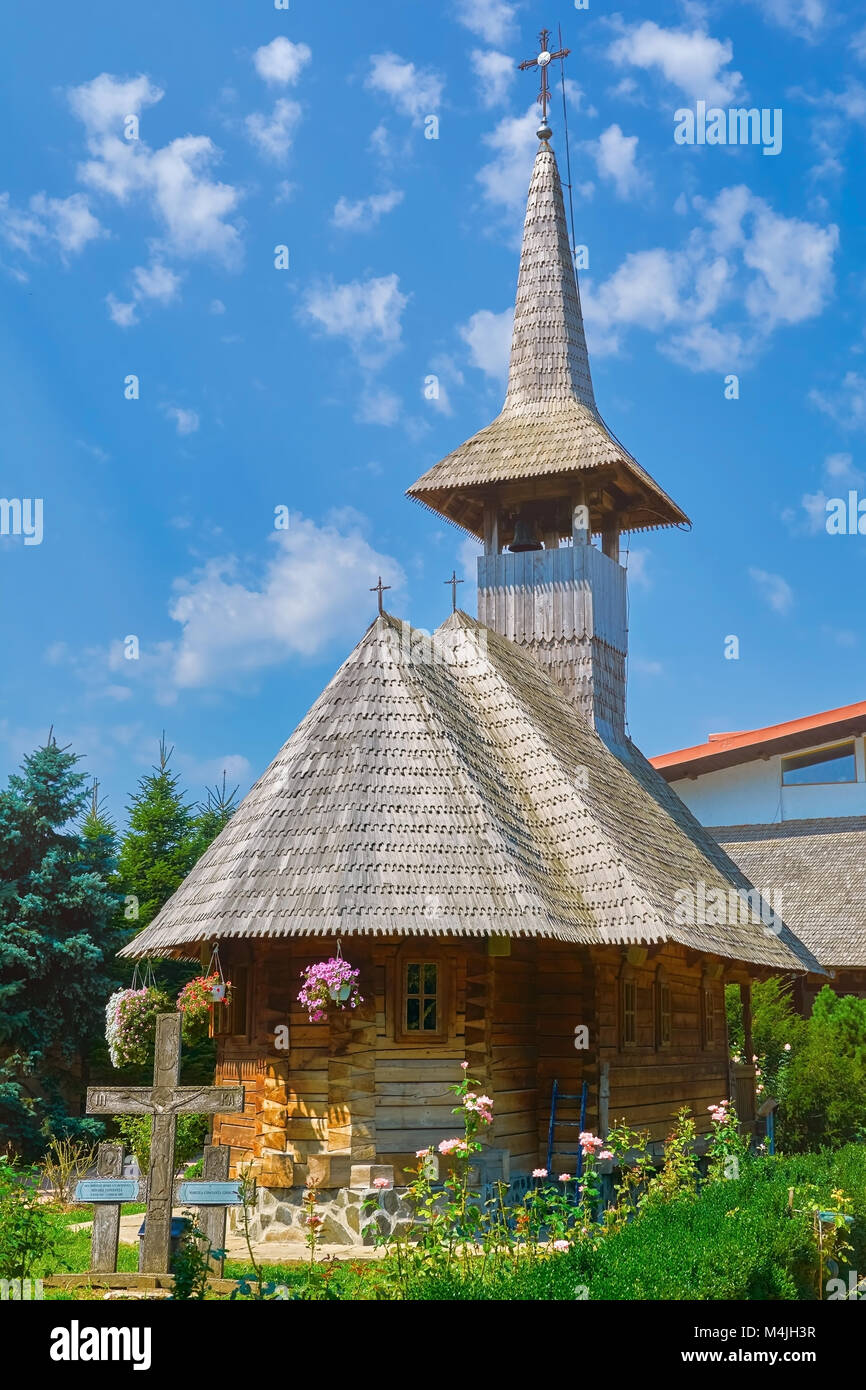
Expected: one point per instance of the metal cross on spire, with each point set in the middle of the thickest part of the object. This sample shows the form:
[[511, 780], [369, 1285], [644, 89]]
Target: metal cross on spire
[[542, 62], [380, 589], [453, 581]]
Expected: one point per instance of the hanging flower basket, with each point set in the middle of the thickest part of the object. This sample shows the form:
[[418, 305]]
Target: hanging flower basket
[[130, 1024], [329, 984], [199, 996]]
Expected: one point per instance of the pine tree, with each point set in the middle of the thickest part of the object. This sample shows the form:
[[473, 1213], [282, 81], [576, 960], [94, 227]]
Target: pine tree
[[57, 941], [165, 839], [160, 847], [213, 816]]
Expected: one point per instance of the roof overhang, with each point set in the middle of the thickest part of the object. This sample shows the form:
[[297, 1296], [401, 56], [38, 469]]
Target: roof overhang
[[750, 745]]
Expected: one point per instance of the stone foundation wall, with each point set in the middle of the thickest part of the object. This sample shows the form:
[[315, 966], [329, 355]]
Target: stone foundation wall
[[280, 1215]]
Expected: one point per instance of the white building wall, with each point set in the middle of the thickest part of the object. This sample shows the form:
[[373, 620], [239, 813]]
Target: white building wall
[[752, 794]]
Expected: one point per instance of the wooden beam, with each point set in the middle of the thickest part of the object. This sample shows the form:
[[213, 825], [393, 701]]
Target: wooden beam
[[491, 528]]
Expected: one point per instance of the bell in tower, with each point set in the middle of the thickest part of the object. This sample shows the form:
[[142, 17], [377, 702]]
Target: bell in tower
[[524, 536]]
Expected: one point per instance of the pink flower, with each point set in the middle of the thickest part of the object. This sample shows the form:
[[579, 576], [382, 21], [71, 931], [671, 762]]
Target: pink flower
[[605, 1153], [561, 1245], [465, 1066], [565, 1177], [423, 1153], [787, 1047], [381, 1182], [450, 1146], [539, 1172]]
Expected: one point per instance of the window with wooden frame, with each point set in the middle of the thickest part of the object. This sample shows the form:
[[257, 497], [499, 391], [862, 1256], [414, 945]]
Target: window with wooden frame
[[708, 1014], [422, 997], [231, 1020], [835, 763], [628, 1009], [663, 1012]]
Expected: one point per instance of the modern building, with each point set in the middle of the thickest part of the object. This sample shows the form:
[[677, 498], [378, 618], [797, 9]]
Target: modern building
[[788, 803]]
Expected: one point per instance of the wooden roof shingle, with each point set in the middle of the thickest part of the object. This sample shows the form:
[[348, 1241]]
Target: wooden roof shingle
[[550, 423], [817, 868], [453, 790]]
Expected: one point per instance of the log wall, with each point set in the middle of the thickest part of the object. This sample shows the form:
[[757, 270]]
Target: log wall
[[349, 1090]]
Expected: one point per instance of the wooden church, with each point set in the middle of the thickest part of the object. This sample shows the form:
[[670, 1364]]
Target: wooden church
[[467, 816]]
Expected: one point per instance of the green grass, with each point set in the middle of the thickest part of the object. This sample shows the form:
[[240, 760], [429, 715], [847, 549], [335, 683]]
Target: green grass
[[735, 1240]]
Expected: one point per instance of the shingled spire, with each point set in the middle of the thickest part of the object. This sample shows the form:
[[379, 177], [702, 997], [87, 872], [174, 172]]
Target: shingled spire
[[549, 441], [549, 362], [548, 475]]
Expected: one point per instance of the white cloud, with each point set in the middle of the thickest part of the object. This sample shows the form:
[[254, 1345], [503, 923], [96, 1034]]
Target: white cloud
[[735, 279], [64, 223], [186, 421], [281, 62], [173, 180], [615, 156], [491, 20], [367, 313], [775, 590], [153, 282], [858, 45], [495, 72], [201, 774], [803, 17], [505, 180], [847, 404], [363, 214], [414, 92], [693, 61], [103, 104], [838, 473], [156, 281], [313, 592], [122, 312], [488, 337], [272, 134], [217, 306], [379, 407]]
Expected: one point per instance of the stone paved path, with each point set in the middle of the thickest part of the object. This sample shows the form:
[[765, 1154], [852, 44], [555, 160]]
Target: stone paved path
[[270, 1252]]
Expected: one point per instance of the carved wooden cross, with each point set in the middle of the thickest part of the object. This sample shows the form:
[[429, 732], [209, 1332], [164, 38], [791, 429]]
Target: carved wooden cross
[[453, 581], [542, 62], [380, 589], [164, 1101]]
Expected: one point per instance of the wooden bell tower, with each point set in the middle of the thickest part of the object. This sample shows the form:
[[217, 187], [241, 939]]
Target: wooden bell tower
[[548, 488]]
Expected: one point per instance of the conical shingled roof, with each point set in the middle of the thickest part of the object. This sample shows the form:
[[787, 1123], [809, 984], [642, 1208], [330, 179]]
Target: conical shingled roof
[[455, 792], [550, 424]]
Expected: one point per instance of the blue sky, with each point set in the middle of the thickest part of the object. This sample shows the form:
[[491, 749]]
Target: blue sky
[[303, 388]]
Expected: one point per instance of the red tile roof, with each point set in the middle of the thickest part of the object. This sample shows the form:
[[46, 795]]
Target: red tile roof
[[746, 745]]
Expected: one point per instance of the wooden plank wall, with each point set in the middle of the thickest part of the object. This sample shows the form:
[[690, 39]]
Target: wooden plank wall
[[565, 1000], [649, 1085], [350, 1087], [412, 1080], [513, 1054]]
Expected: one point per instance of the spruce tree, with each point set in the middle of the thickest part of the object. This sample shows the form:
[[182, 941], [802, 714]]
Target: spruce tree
[[57, 942], [212, 816], [159, 848]]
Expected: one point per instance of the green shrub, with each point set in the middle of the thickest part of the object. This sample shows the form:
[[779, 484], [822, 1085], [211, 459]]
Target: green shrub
[[31, 1230], [192, 1133], [823, 1089]]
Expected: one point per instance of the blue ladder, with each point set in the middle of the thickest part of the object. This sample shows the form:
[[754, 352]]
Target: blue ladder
[[556, 1099]]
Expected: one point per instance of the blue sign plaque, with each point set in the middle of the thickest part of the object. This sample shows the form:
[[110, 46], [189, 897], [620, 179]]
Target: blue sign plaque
[[210, 1194], [106, 1190]]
